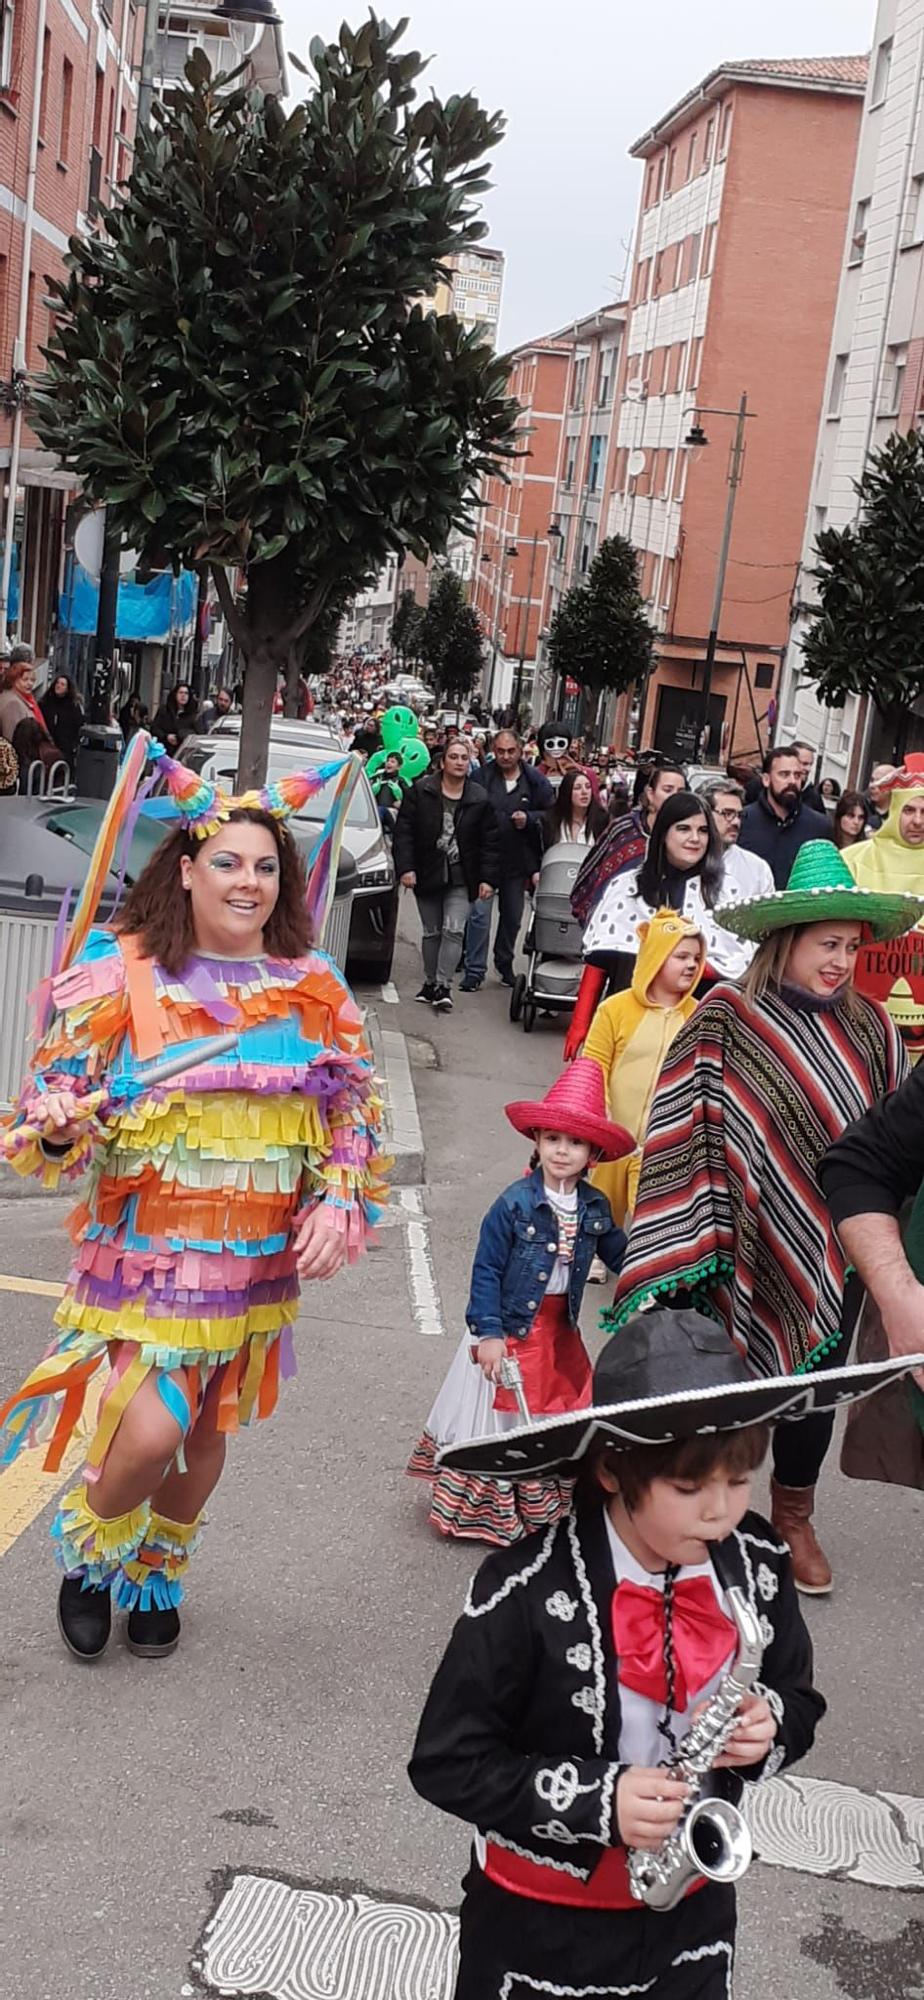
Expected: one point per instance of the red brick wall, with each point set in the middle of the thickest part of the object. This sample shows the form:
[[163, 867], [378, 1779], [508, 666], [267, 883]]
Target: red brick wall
[[778, 255]]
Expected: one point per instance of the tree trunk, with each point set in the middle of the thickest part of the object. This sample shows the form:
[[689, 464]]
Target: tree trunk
[[260, 674], [290, 703]]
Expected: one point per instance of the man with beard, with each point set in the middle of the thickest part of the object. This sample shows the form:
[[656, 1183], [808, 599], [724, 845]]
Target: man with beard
[[779, 822]]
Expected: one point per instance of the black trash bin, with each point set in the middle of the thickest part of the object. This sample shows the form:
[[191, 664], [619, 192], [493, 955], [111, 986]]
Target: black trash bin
[[99, 751]]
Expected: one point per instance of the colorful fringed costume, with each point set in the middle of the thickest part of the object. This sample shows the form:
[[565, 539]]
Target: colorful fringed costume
[[185, 1264]]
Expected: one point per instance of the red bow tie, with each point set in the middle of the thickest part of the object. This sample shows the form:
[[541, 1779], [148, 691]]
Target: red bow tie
[[703, 1638]]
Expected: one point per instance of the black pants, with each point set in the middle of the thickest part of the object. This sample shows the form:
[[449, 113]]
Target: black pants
[[515, 1949], [800, 1449]]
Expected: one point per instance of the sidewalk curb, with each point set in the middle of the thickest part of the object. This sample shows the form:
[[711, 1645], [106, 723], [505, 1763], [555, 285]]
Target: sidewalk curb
[[389, 1048], [405, 1138]]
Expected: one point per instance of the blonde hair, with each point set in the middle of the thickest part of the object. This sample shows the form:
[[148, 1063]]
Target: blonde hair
[[768, 969]]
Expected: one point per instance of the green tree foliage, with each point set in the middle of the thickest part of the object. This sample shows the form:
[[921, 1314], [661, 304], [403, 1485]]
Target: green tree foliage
[[599, 634], [406, 624], [450, 639], [867, 637], [238, 370]]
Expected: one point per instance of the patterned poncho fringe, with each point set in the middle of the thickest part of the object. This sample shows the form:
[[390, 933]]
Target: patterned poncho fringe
[[729, 1207]]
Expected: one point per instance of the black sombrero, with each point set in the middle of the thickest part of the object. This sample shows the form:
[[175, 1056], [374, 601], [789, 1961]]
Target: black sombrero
[[664, 1377]]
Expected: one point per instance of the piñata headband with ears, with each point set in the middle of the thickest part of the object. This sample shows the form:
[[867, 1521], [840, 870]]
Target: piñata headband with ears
[[203, 809]]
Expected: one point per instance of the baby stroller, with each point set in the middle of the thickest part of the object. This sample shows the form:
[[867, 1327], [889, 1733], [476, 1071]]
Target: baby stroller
[[553, 941]]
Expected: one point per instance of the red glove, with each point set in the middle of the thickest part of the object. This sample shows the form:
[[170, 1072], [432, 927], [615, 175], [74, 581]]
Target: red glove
[[593, 980]]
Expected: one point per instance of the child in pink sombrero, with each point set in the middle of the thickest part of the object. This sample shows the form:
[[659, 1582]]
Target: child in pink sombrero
[[534, 1253]]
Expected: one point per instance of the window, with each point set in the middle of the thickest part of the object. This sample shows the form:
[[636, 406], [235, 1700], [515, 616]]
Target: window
[[707, 144], [709, 249], [642, 281], [7, 31], [671, 169], [588, 549], [893, 381], [726, 130], [67, 98], [764, 673], [838, 378], [579, 383], [913, 226], [663, 475], [659, 178], [696, 360], [659, 285], [858, 236], [51, 306], [819, 520], [658, 370], [605, 377], [691, 155], [678, 356], [43, 100], [881, 74], [595, 463]]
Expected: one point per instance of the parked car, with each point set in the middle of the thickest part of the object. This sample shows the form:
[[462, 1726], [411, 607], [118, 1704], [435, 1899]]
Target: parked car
[[375, 902], [285, 729]]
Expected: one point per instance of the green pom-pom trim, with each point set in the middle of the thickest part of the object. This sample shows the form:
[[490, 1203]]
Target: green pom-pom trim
[[716, 1268]]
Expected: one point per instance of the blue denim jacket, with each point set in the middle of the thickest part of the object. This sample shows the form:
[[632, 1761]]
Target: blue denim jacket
[[516, 1251]]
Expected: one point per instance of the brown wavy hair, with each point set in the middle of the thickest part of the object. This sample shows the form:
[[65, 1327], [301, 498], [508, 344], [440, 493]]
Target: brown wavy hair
[[160, 915]]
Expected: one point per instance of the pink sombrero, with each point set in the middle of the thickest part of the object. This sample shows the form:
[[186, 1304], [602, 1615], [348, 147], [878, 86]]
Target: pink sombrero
[[576, 1104]]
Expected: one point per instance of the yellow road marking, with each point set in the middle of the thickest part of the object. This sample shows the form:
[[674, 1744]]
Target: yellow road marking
[[25, 1490], [39, 1285]]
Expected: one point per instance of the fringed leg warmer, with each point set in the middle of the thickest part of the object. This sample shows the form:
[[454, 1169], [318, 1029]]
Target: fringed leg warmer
[[89, 1546], [151, 1578]]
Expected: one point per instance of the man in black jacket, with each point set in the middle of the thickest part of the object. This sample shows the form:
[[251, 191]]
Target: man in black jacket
[[446, 850], [779, 822], [519, 796]]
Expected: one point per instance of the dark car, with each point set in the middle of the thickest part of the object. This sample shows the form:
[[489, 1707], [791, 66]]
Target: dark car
[[45, 844]]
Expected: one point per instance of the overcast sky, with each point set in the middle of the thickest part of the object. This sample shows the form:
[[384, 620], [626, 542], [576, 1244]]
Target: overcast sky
[[579, 80]]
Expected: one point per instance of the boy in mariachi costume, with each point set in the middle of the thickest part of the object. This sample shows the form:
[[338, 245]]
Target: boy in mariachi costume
[[658, 1621]]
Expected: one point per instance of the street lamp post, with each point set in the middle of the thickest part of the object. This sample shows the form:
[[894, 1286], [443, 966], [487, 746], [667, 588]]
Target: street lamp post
[[524, 628], [697, 437]]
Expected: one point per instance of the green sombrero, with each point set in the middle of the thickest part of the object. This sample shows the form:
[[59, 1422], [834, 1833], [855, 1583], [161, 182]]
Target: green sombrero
[[821, 889]]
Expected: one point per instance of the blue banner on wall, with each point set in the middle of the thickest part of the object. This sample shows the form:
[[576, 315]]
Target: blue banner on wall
[[146, 611]]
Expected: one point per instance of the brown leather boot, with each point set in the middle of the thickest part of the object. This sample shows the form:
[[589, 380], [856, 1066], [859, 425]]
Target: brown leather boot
[[791, 1512]]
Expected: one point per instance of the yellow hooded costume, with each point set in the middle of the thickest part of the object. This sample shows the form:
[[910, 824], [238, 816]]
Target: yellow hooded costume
[[895, 975], [629, 1037]]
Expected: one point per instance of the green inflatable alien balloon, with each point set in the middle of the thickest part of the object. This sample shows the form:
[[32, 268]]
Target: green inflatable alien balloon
[[415, 759], [396, 726]]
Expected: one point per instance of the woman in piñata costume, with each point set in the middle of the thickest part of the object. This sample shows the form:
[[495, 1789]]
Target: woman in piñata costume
[[211, 1189], [755, 1088]]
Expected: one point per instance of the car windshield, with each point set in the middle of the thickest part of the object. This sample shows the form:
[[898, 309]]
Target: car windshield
[[221, 766], [80, 824]]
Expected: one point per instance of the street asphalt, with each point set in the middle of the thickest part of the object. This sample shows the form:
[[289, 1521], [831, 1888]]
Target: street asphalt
[[275, 1740]]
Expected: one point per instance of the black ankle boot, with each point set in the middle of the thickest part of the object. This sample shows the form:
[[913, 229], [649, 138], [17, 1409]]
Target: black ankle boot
[[153, 1634], [84, 1618]]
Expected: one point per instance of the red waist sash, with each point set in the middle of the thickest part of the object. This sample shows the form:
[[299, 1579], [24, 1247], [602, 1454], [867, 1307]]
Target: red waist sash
[[607, 1889]]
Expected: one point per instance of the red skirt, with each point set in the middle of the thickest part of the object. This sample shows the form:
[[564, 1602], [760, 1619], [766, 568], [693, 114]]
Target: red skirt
[[554, 1363]]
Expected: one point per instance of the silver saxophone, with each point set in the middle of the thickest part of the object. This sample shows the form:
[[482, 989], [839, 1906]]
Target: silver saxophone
[[712, 1837]]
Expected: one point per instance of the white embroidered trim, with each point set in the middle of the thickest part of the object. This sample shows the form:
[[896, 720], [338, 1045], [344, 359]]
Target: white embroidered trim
[[748, 1566], [606, 1804], [560, 1605], [559, 1787], [472, 1610], [779, 1548], [541, 1860], [774, 1701], [776, 1758], [585, 1698], [766, 1630], [768, 1582], [599, 1707], [557, 1830], [580, 1657], [516, 1985]]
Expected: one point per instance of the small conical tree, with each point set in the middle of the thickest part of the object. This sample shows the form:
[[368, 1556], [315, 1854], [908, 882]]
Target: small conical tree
[[450, 639], [238, 371], [600, 635], [867, 636], [406, 624]]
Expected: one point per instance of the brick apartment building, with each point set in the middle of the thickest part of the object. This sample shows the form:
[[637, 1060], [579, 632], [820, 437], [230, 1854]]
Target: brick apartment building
[[567, 386], [739, 243]]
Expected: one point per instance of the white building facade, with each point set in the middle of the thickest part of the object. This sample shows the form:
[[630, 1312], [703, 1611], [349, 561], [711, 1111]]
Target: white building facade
[[875, 380]]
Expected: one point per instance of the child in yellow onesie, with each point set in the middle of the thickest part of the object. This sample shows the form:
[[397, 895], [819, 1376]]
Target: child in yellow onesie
[[630, 1036]]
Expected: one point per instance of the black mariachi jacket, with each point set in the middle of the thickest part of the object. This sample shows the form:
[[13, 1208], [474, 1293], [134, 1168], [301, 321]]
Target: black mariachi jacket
[[520, 1733]]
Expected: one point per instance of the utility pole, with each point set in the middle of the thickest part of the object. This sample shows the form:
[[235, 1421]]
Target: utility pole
[[734, 480], [524, 633]]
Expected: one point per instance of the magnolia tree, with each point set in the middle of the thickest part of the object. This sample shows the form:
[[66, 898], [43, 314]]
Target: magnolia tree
[[867, 637], [239, 370], [599, 634], [450, 639]]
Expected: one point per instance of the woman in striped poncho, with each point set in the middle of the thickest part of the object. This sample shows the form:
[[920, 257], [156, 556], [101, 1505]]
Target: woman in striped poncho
[[757, 1085]]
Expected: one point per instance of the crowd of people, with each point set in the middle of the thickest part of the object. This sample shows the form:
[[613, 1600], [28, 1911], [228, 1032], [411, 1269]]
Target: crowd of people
[[732, 1136]]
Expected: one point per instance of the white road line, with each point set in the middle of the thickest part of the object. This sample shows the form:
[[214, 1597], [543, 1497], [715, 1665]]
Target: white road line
[[390, 994], [425, 1297]]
